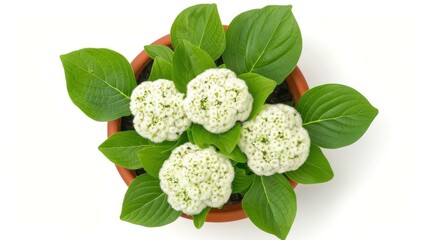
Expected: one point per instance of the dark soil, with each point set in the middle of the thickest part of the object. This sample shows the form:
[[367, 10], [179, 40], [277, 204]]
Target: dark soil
[[140, 171], [280, 94], [234, 198], [127, 123], [144, 75]]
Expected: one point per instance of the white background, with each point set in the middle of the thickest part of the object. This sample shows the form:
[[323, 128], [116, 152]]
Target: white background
[[55, 184]]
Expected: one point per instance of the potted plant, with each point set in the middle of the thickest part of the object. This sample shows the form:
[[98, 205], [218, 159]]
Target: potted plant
[[220, 125]]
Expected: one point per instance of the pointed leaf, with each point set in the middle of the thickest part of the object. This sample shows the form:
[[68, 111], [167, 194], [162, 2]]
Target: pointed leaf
[[225, 142], [266, 41], [188, 62], [161, 69], [260, 87], [270, 204], [182, 139], [161, 51], [99, 82], [335, 115], [152, 158], [237, 155], [316, 168], [200, 218], [122, 147], [190, 136], [200, 25], [146, 204], [241, 181]]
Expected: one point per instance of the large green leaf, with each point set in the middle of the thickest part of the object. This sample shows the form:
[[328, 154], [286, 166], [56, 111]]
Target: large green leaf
[[152, 158], [270, 204], [316, 168], [161, 69], [146, 204], [260, 87], [200, 218], [161, 51], [237, 155], [122, 147], [189, 133], [200, 25], [99, 82], [225, 142], [335, 115], [266, 41], [188, 62], [241, 181]]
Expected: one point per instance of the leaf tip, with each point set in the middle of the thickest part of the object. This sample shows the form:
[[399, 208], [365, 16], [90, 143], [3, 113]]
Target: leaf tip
[[63, 58], [100, 147], [198, 225], [123, 216], [376, 111]]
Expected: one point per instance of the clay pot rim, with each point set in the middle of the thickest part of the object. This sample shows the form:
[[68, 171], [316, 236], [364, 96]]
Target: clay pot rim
[[297, 86]]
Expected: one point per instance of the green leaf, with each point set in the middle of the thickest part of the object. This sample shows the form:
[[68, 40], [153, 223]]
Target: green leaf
[[161, 51], [122, 147], [161, 69], [200, 218], [237, 155], [190, 136], [182, 139], [225, 142], [245, 167], [266, 41], [188, 62], [146, 204], [316, 168], [260, 87], [241, 181], [152, 158], [270, 204], [99, 82], [335, 115], [200, 25]]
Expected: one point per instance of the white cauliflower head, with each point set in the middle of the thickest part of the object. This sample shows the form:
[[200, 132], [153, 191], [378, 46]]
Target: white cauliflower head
[[158, 111], [195, 178], [275, 141], [217, 99]]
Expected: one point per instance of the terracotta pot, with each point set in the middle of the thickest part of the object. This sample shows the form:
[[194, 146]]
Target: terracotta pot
[[297, 86]]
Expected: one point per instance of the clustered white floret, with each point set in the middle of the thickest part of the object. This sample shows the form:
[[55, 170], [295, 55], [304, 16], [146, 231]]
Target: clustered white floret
[[195, 178], [275, 141], [158, 111], [217, 99]]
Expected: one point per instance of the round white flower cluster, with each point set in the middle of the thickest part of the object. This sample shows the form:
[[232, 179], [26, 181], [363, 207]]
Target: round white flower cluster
[[275, 141], [195, 178], [217, 99], [158, 111]]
